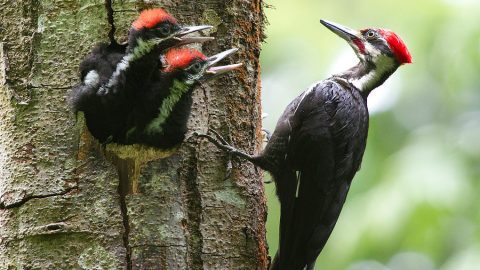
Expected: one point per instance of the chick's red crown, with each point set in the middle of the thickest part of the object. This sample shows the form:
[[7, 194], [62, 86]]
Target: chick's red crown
[[179, 58], [151, 17]]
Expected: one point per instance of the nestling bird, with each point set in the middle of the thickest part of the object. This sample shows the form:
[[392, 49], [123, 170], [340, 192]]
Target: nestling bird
[[111, 74], [160, 114], [318, 144]]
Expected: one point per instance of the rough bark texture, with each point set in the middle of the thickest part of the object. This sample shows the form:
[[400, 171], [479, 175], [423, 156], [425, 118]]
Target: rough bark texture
[[67, 202]]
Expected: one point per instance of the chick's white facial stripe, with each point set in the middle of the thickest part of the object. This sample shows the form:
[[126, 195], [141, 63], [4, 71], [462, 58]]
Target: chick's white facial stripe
[[139, 51]]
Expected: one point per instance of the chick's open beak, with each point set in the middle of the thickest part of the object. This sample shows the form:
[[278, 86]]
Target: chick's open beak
[[181, 38], [217, 70], [190, 29]]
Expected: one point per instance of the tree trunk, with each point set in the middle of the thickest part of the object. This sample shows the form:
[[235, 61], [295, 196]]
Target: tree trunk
[[67, 202]]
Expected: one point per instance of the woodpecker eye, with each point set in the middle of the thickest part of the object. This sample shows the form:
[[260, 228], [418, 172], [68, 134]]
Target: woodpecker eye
[[165, 30], [371, 34]]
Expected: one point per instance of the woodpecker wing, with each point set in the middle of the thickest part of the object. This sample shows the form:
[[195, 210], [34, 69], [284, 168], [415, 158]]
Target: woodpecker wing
[[103, 58], [95, 70]]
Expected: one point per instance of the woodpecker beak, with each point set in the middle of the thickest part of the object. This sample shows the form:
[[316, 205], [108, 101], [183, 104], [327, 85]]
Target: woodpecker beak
[[190, 29], [342, 31], [212, 60], [188, 40], [213, 71], [181, 40], [353, 37], [222, 69]]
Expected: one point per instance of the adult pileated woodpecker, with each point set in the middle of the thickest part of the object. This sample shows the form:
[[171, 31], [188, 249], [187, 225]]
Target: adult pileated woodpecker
[[318, 144], [112, 73], [160, 114]]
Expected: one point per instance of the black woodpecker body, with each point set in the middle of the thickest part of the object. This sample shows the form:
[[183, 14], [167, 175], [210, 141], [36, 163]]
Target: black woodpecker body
[[161, 113], [112, 74], [100, 111], [318, 145]]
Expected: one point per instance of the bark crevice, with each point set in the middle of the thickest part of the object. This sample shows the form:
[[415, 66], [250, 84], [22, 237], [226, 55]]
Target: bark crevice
[[123, 190], [111, 21], [194, 213], [123, 209], [25, 199]]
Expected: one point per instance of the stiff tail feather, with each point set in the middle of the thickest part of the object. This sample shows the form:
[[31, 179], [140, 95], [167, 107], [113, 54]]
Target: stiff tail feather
[[286, 185]]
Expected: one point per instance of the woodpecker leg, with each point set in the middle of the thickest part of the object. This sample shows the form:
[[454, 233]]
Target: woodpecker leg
[[221, 143]]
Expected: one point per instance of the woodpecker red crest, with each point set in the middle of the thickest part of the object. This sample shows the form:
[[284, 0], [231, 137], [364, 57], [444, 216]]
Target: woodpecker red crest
[[151, 17], [397, 46], [179, 58]]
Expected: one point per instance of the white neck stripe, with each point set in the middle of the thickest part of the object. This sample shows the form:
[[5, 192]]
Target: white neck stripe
[[367, 82]]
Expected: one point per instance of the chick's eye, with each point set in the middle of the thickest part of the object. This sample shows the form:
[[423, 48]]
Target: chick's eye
[[165, 30], [196, 67]]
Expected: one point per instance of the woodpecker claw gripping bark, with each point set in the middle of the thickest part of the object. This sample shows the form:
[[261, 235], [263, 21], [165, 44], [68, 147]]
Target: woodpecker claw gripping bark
[[221, 143]]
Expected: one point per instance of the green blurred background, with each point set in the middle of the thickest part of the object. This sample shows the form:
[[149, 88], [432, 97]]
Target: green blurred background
[[415, 203]]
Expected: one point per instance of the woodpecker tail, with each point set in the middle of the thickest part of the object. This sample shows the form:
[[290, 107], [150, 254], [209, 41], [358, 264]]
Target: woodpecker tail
[[308, 216], [286, 184]]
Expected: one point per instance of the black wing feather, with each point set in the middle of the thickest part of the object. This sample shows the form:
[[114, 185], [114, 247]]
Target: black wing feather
[[103, 114]]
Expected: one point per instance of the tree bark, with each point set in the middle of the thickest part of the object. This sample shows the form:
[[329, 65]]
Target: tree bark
[[67, 202]]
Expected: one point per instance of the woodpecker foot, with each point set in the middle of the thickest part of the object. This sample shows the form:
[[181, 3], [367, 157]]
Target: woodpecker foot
[[221, 143]]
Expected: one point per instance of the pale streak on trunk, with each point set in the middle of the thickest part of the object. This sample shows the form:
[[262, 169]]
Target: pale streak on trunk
[[68, 203]]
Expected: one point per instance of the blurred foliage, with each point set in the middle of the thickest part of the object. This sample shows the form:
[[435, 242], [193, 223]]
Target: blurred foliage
[[414, 205]]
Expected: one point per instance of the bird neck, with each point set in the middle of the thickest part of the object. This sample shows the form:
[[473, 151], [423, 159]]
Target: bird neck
[[366, 76], [141, 50], [176, 91]]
